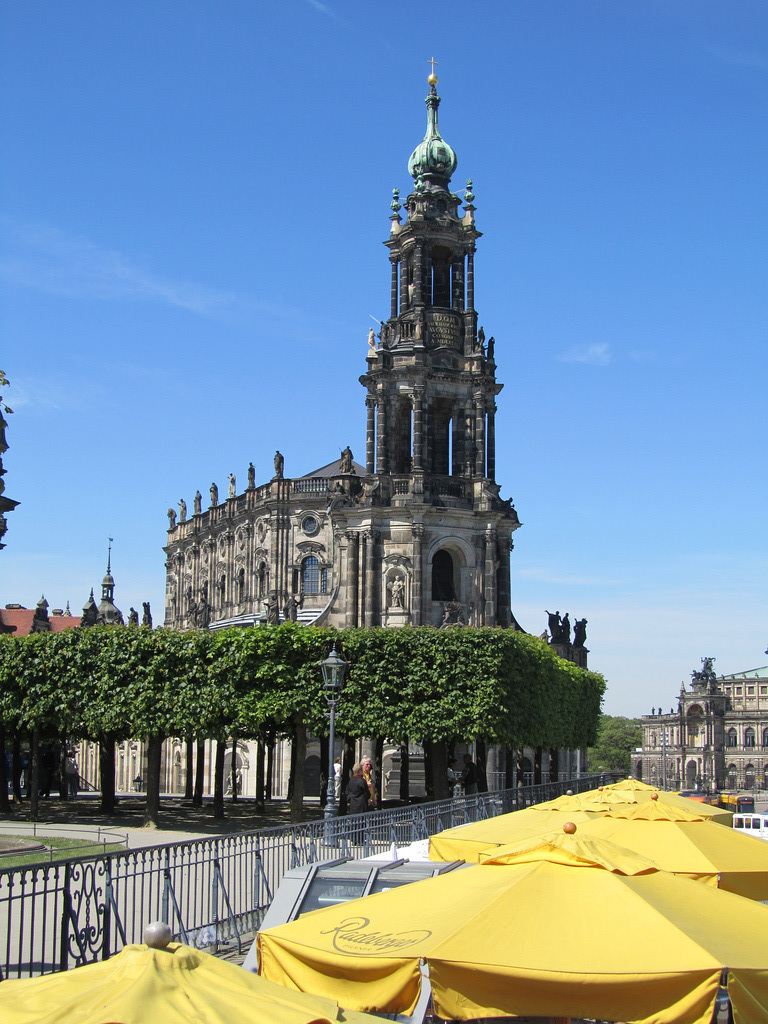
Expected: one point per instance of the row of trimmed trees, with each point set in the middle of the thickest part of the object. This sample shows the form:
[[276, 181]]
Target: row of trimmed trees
[[433, 686]]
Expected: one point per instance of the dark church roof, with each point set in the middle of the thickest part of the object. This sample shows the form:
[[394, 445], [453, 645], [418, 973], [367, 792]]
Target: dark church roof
[[334, 469]]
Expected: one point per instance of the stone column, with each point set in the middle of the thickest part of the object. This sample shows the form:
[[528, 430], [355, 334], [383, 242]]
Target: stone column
[[458, 269], [393, 287], [417, 603], [418, 275], [469, 439], [491, 442], [471, 278], [404, 304], [418, 426], [352, 574], [489, 582], [479, 400], [381, 439], [426, 276], [370, 434], [503, 584], [371, 577]]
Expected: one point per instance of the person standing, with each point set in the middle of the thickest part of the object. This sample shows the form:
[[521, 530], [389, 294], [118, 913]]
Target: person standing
[[469, 776], [358, 794], [337, 778], [71, 774], [367, 767]]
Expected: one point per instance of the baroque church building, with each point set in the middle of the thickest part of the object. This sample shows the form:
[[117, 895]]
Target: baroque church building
[[419, 534]]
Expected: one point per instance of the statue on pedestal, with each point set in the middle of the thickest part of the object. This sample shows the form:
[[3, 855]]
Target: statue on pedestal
[[182, 511], [214, 495], [232, 486], [345, 463], [279, 465], [198, 506]]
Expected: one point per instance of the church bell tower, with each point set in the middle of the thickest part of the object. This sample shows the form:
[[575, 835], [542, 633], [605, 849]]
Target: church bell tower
[[431, 407]]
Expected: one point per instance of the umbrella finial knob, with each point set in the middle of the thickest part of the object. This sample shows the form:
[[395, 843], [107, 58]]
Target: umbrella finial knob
[[569, 792], [654, 796], [157, 935], [569, 828]]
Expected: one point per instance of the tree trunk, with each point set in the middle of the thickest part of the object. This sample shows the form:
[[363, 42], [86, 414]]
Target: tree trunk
[[429, 785], [218, 781], [297, 770], [233, 770], [5, 804], [347, 764], [260, 774], [269, 781], [481, 761], [537, 766], [33, 775], [16, 770], [520, 766], [405, 774], [197, 797], [63, 784], [152, 801], [324, 748], [554, 764], [189, 778], [377, 767], [107, 772], [439, 764]]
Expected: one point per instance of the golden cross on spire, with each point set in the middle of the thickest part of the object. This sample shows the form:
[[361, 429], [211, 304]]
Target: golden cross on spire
[[432, 61]]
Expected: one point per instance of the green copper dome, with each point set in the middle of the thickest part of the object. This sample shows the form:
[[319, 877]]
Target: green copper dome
[[433, 158]]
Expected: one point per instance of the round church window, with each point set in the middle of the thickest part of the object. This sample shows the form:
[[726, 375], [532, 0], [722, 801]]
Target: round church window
[[309, 525]]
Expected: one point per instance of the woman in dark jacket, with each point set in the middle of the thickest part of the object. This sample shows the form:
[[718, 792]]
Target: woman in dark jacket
[[358, 794]]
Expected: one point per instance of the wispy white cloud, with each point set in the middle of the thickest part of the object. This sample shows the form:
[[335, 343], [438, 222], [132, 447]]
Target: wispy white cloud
[[592, 355], [49, 260], [638, 355], [328, 11]]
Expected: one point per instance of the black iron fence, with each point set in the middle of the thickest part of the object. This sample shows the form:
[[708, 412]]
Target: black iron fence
[[212, 892]]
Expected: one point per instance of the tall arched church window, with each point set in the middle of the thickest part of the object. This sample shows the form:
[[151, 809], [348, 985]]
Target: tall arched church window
[[749, 738], [765, 738], [443, 588], [310, 575], [733, 739]]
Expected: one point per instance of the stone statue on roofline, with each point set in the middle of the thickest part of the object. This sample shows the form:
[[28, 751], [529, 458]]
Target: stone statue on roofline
[[345, 462], [279, 465], [198, 505]]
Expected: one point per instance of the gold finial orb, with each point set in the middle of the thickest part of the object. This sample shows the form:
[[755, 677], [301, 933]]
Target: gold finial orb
[[432, 80]]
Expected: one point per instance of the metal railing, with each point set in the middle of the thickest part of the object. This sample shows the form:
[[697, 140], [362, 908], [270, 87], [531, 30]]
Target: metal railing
[[212, 892]]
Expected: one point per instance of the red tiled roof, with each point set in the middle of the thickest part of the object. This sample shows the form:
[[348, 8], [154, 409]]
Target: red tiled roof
[[22, 618]]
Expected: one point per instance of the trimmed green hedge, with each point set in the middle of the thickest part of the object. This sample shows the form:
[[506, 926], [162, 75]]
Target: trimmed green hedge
[[423, 683]]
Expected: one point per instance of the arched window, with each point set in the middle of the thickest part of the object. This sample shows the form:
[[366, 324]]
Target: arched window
[[442, 577], [749, 737], [765, 738], [733, 739], [310, 575], [749, 776], [733, 776]]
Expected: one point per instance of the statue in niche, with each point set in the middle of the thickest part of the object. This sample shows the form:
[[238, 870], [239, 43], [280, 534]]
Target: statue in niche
[[371, 340], [198, 503], [171, 519], [396, 590], [251, 476], [273, 610], [417, 330], [345, 463], [146, 619], [182, 511], [279, 465], [232, 486], [133, 617], [214, 495], [579, 632], [291, 608]]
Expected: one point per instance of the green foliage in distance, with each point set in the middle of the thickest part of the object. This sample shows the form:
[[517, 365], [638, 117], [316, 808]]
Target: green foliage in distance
[[616, 741], [422, 683]]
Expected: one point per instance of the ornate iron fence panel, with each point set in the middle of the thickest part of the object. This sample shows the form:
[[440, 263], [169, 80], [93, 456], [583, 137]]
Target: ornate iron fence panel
[[212, 892]]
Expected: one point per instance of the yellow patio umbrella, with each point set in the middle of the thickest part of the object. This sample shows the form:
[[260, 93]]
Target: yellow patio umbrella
[[681, 841], [610, 798], [172, 985], [565, 927]]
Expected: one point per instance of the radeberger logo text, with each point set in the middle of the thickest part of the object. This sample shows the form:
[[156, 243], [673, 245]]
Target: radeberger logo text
[[354, 936]]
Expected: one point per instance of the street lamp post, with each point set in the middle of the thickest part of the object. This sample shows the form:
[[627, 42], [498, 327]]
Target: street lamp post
[[333, 669]]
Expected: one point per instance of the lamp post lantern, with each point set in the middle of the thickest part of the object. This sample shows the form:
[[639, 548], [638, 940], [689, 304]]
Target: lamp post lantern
[[333, 669]]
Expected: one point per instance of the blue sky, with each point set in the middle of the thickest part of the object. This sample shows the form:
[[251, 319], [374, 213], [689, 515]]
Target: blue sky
[[194, 197]]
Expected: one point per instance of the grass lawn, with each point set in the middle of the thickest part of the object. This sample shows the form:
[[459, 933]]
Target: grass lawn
[[57, 848]]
